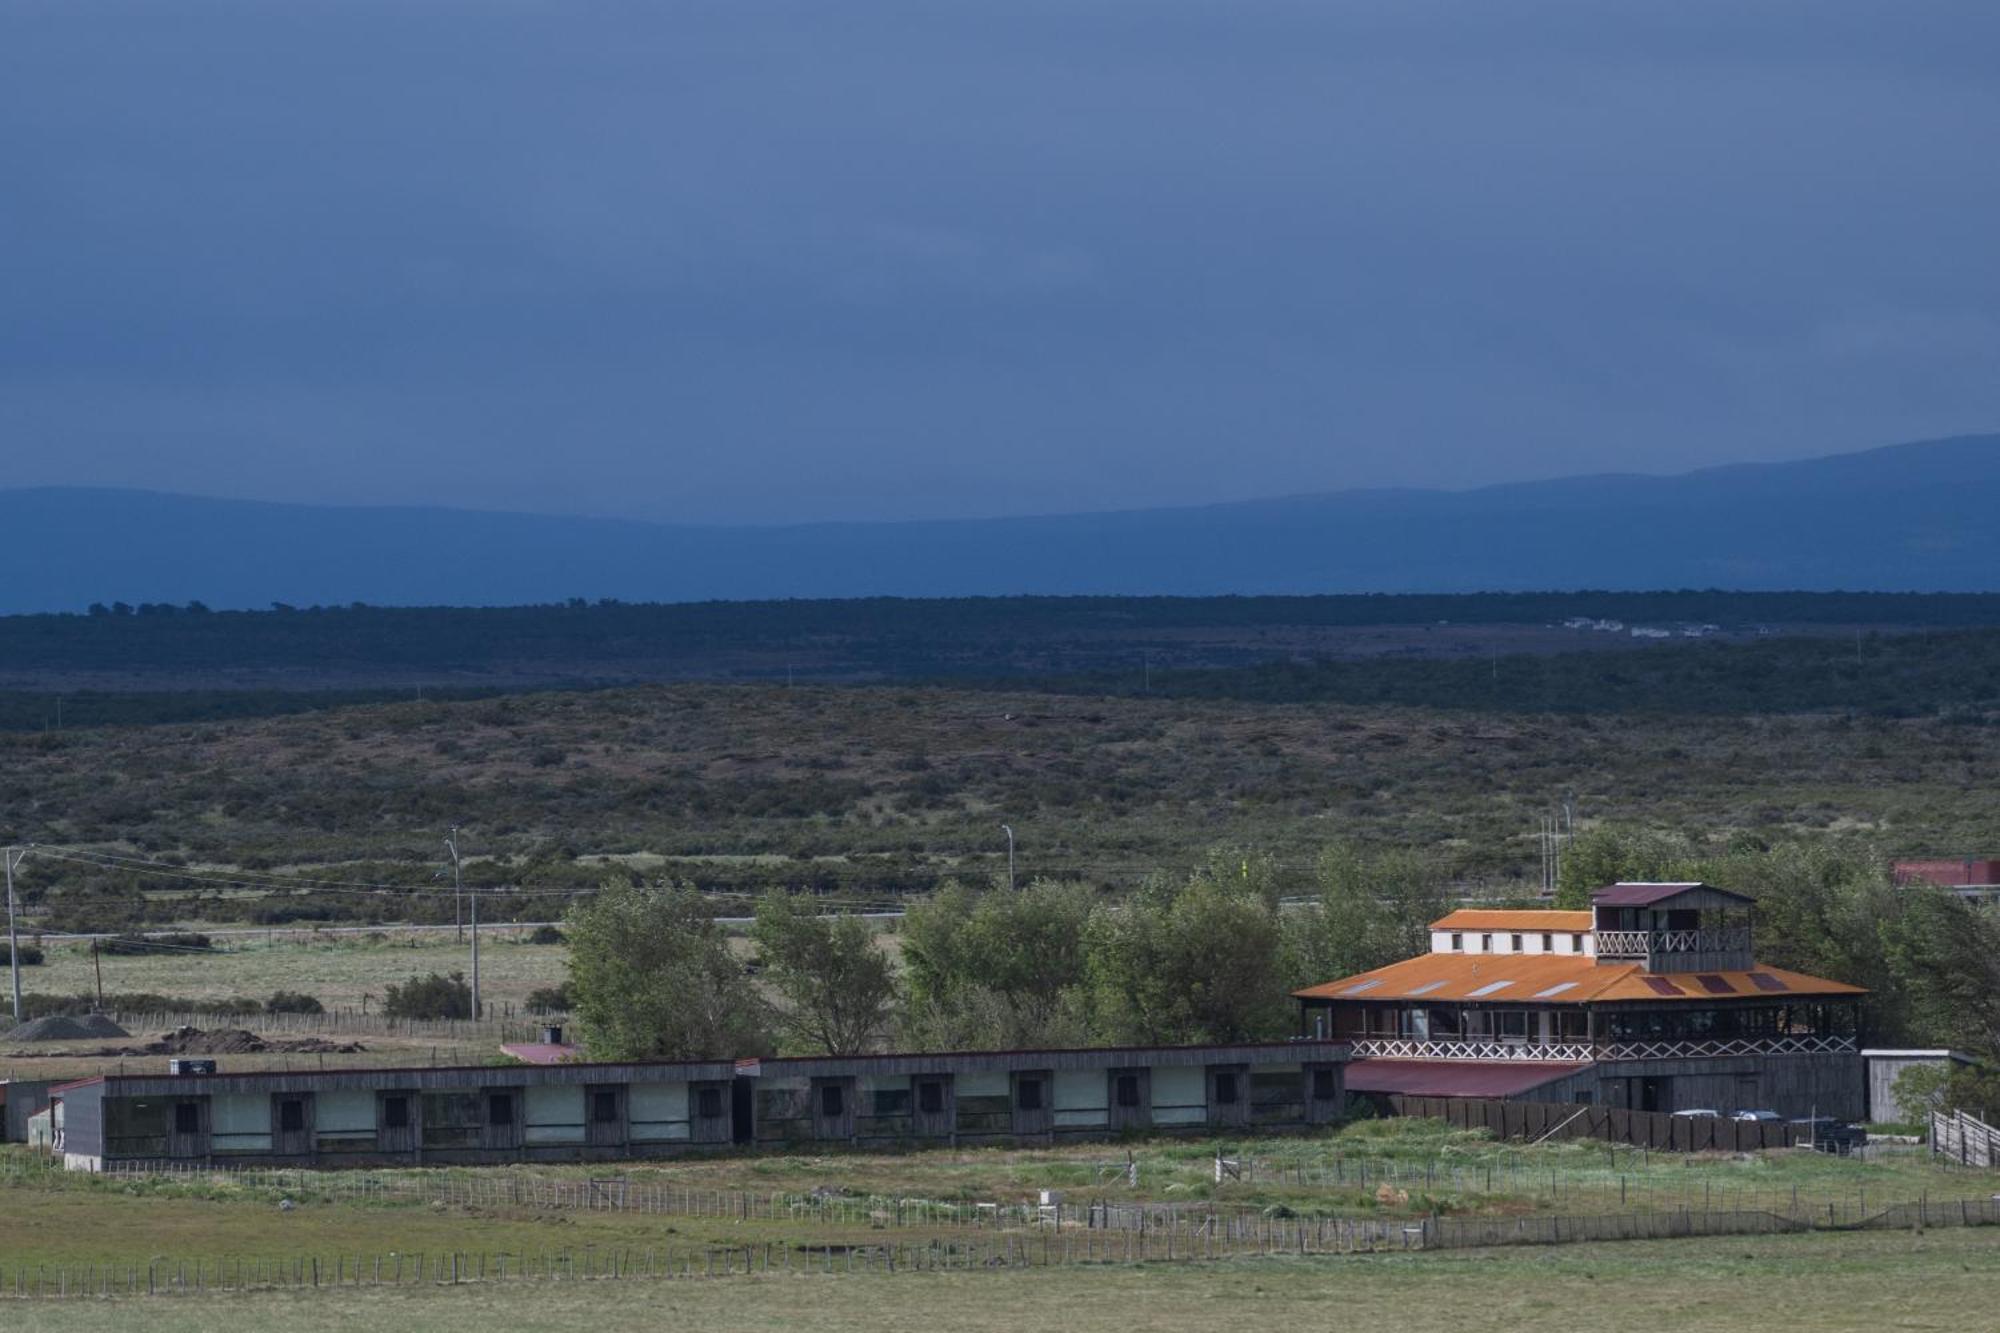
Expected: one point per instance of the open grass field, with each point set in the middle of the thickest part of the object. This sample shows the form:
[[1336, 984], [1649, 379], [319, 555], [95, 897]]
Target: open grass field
[[341, 971], [1842, 1283], [879, 791], [1387, 1170]]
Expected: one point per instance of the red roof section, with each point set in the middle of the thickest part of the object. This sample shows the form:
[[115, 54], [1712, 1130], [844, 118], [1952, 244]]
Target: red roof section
[[1948, 874], [1554, 980], [1454, 1078]]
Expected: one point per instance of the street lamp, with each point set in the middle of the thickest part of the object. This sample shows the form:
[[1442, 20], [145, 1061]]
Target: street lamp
[[13, 857]]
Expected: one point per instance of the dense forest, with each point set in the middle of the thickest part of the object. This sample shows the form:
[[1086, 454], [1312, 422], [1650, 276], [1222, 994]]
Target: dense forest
[[902, 636], [1902, 675]]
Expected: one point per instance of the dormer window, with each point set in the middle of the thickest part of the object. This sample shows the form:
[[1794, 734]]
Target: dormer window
[[1486, 944], [1516, 945], [1457, 942], [1548, 943]]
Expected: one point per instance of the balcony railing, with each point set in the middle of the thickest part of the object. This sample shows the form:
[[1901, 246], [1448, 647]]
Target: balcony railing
[[1573, 1052], [1648, 943]]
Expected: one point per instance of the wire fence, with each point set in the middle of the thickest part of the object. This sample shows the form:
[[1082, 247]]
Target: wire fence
[[506, 1025], [1351, 1185], [1050, 1247]]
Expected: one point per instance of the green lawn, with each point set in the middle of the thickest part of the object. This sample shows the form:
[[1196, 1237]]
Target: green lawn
[[1842, 1283]]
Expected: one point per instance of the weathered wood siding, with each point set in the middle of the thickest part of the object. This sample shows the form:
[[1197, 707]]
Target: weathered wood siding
[[1131, 1091], [1033, 1112], [1228, 1095], [292, 1124]]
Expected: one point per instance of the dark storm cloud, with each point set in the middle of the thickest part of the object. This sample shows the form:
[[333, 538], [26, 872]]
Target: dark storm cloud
[[774, 261]]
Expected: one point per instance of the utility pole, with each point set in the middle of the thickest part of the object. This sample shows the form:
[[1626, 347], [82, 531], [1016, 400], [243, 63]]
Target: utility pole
[[13, 857], [97, 962], [457, 888], [1008, 829]]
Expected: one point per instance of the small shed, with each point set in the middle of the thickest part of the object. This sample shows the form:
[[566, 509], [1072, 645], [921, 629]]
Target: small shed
[[1884, 1067]]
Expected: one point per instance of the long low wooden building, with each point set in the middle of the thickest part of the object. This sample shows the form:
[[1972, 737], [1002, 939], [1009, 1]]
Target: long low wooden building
[[574, 1112]]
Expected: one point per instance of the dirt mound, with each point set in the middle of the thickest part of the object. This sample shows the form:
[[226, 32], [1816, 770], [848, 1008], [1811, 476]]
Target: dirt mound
[[67, 1027], [238, 1041]]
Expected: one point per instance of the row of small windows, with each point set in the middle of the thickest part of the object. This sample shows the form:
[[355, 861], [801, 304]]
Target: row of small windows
[[605, 1109], [1517, 943]]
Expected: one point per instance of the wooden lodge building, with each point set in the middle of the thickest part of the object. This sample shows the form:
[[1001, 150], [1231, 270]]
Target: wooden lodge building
[[573, 1112], [1651, 1000]]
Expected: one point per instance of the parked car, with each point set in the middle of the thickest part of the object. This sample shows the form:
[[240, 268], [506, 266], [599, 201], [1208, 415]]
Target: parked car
[[1699, 1113], [1761, 1117], [1829, 1135]]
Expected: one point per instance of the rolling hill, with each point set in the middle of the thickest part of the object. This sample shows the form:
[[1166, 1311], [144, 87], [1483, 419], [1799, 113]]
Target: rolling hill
[[1906, 517]]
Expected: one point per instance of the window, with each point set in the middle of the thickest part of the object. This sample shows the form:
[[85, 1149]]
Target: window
[[395, 1113], [1515, 945], [832, 1100], [604, 1107], [1128, 1090], [1548, 943], [1457, 942], [1325, 1086], [1225, 1088], [1486, 944], [1028, 1094], [1510, 1023], [291, 1115], [930, 1097], [187, 1118], [1576, 944], [708, 1102], [499, 1109]]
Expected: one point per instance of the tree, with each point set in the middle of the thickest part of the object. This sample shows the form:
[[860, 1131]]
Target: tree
[[652, 978], [1608, 855], [837, 989], [1374, 909], [998, 969], [1195, 961]]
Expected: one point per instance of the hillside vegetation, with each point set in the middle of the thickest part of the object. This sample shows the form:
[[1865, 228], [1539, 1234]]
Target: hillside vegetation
[[877, 791]]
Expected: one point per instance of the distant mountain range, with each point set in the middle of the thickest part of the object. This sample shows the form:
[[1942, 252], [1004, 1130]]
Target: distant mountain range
[[1922, 516]]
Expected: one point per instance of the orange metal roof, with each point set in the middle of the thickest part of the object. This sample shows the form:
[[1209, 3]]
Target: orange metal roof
[[1534, 918], [1557, 979]]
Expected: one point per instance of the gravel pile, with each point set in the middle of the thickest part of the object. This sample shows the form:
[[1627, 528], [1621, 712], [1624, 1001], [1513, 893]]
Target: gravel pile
[[66, 1027]]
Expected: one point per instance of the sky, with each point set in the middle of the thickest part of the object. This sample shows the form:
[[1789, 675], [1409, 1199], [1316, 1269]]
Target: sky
[[747, 261]]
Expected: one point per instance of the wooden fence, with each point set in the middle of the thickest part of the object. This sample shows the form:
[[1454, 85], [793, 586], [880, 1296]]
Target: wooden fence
[[344, 1023], [1569, 1120], [1964, 1139]]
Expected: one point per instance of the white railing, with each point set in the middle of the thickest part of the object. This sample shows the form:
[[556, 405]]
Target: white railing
[[1482, 1048], [1717, 1049], [1642, 943], [1452, 1048]]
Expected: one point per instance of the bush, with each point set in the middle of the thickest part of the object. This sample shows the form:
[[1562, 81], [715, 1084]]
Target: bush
[[138, 1002], [31, 955], [433, 996], [130, 946], [547, 935], [549, 1000], [292, 1002]]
